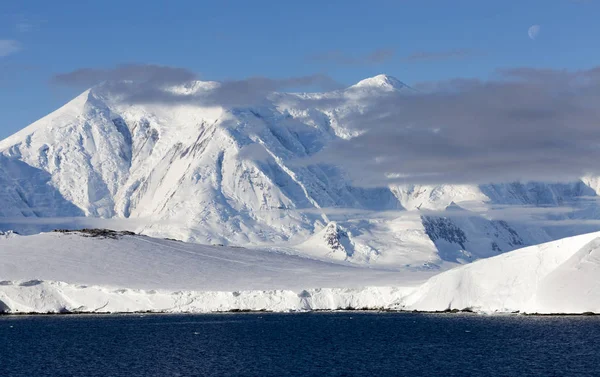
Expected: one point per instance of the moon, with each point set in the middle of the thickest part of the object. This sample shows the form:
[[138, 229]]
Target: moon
[[534, 31]]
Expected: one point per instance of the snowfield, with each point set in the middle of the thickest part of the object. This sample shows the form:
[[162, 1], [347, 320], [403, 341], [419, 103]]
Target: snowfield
[[54, 272], [72, 272], [556, 277]]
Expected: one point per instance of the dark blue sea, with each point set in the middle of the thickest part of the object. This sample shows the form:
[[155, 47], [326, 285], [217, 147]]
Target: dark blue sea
[[311, 344]]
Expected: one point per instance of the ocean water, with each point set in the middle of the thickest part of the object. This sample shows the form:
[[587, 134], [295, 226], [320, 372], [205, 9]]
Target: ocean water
[[309, 344]]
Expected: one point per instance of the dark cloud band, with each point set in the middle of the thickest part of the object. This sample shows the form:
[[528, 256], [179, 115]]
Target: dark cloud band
[[527, 124]]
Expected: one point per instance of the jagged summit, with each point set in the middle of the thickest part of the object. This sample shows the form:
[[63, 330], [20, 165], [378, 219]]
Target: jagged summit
[[454, 207], [58, 118]]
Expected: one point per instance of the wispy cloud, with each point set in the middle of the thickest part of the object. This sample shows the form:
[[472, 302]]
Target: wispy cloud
[[524, 214], [24, 27], [147, 73], [9, 47], [342, 58], [421, 56], [137, 83], [25, 23]]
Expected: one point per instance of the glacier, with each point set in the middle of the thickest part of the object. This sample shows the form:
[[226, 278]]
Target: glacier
[[75, 272]]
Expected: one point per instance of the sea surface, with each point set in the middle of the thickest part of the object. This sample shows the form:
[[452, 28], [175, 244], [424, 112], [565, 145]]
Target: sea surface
[[309, 344]]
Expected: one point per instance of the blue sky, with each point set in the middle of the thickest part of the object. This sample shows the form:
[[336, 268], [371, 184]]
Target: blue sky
[[347, 40]]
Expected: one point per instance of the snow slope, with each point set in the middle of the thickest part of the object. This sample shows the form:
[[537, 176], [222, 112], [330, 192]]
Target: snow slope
[[141, 262], [557, 277], [221, 174], [56, 272]]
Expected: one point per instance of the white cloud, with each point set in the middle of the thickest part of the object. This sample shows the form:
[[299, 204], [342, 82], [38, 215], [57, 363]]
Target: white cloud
[[8, 47]]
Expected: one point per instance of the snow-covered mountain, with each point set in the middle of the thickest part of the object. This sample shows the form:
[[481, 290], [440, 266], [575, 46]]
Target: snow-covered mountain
[[556, 277], [226, 174]]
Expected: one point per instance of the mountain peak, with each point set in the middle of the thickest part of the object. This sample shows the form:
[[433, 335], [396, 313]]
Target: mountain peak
[[382, 81]]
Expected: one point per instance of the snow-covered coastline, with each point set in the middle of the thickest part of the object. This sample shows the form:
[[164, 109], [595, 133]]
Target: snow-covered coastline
[[75, 272], [58, 297], [106, 275]]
